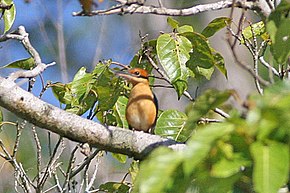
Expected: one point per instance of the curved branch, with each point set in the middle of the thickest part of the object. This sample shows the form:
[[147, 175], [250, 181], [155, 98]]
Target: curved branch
[[76, 128]]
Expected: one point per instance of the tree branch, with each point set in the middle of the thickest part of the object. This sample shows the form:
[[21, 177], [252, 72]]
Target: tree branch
[[125, 8], [76, 128]]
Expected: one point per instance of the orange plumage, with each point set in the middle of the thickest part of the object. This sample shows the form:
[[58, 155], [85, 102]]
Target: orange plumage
[[142, 107]]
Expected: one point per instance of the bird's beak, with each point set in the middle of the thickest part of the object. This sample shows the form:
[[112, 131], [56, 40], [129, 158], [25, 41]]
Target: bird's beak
[[124, 74]]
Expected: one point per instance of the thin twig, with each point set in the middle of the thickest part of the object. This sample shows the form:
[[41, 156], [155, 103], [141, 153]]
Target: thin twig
[[84, 163], [38, 153], [69, 169], [17, 140], [50, 163], [120, 64]]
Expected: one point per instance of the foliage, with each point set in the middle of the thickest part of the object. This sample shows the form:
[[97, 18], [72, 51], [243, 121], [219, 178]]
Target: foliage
[[246, 151]]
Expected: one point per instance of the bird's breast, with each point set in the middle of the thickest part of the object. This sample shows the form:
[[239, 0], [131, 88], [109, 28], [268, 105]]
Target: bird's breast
[[141, 109]]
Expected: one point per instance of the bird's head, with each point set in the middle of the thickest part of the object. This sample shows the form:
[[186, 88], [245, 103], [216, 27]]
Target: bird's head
[[135, 76]]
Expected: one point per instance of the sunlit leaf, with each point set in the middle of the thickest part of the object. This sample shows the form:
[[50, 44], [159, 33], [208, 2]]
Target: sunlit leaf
[[258, 29], [215, 25], [25, 64], [185, 28], [271, 166], [9, 15], [173, 52], [170, 124]]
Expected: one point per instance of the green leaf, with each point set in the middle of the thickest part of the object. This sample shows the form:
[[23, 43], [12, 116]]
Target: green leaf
[[271, 166], [170, 124], [219, 63], [215, 25], [62, 92], [201, 142], [150, 179], [185, 28], [173, 52], [114, 187], [172, 22], [277, 26], [120, 157], [281, 47], [201, 55], [120, 111], [180, 86], [258, 29], [108, 87], [204, 72], [226, 167], [9, 15], [25, 64], [83, 97]]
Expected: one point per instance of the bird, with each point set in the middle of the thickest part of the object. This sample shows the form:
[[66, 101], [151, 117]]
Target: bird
[[142, 106]]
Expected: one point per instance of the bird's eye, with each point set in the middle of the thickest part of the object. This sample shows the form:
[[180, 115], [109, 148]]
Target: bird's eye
[[137, 73]]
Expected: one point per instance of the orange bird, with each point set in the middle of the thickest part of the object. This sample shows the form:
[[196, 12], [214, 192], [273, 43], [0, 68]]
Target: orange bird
[[142, 107]]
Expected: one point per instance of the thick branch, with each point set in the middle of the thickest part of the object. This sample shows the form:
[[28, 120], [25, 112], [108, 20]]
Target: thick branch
[[76, 128], [150, 9]]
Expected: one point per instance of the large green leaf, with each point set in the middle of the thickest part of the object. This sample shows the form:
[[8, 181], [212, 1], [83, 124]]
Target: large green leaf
[[173, 52], [171, 124], [25, 64], [271, 166], [201, 55], [215, 25], [9, 15]]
